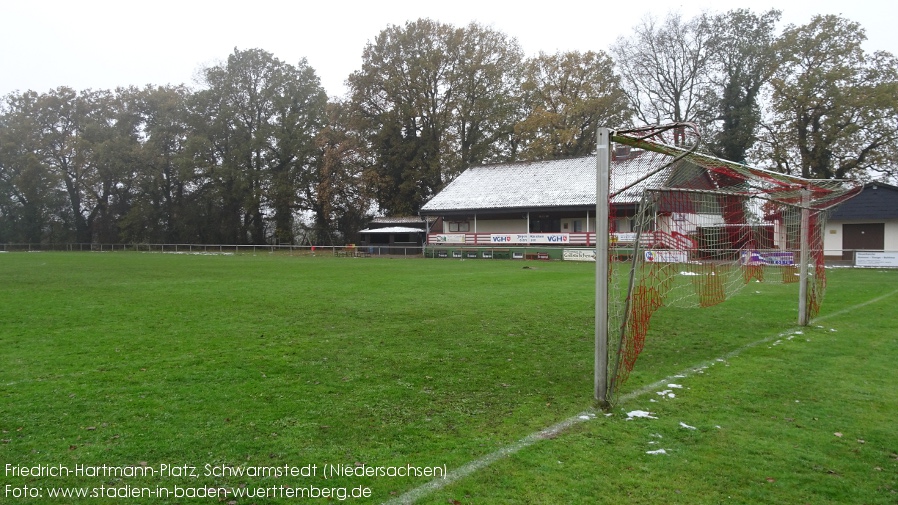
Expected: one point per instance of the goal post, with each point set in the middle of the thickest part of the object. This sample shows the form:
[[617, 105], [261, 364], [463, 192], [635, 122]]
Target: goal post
[[675, 227], [603, 172], [804, 254]]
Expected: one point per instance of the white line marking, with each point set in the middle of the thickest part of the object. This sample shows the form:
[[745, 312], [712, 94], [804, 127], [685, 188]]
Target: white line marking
[[855, 307], [469, 468]]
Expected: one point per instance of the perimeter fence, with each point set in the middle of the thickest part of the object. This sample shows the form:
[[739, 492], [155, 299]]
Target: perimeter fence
[[841, 257], [305, 250]]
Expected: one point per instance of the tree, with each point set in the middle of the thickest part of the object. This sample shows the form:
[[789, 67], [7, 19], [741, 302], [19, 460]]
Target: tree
[[69, 127], [486, 78], [113, 136], [431, 100], [834, 107], [568, 96], [30, 196], [742, 60], [165, 180], [336, 192], [664, 69], [403, 104], [263, 116], [84, 146]]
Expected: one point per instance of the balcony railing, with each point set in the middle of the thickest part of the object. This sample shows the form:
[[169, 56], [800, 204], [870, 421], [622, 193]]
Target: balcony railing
[[648, 239], [486, 239]]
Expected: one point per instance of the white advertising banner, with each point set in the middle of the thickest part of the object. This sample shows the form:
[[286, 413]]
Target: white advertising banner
[[454, 238], [876, 259], [666, 256], [530, 238], [623, 238], [579, 255]]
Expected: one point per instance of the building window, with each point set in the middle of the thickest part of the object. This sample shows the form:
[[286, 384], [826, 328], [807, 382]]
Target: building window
[[460, 226], [544, 224]]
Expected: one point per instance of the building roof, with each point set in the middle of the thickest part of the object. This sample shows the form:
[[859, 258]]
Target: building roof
[[397, 220], [877, 201], [392, 229], [561, 183]]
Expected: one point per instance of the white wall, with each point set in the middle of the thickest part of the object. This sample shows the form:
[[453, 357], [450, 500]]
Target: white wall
[[519, 225], [500, 226], [832, 239], [891, 236], [832, 236], [492, 226], [583, 222]]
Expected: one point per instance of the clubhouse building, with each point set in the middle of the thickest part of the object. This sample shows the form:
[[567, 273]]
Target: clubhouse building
[[535, 209]]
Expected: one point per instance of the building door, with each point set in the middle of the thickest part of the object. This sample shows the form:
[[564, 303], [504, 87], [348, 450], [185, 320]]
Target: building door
[[864, 236]]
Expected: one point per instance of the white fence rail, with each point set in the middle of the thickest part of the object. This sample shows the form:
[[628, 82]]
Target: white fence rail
[[220, 249], [862, 258]]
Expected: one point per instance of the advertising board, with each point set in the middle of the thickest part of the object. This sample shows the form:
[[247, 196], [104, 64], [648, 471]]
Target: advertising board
[[767, 258], [579, 255], [875, 259], [530, 238]]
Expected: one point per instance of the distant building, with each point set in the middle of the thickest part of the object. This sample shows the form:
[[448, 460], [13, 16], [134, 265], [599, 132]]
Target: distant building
[[541, 205], [867, 222], [394, 235]]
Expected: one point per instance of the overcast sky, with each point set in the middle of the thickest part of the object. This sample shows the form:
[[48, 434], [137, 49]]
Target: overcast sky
[[95, 44]]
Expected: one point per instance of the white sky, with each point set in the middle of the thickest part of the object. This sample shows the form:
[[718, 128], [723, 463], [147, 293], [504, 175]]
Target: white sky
[[103, 44]]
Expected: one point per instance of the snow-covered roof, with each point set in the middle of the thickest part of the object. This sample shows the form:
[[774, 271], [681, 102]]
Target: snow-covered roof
[[536, 184], [397, 220], [392, 229]]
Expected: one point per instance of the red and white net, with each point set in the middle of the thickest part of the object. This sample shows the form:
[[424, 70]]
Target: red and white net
[[690, 230]]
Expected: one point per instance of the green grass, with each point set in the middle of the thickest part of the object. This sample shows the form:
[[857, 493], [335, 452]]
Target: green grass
[[125, 359]]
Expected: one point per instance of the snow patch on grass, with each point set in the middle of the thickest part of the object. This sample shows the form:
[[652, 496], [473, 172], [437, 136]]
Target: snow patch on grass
[[633, 414]]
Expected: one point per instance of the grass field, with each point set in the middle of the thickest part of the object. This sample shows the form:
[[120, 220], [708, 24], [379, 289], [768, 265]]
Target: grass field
[[162, 373]]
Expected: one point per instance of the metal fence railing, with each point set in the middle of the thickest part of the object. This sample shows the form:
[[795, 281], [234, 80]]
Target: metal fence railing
[[840, 257], [409, 251]]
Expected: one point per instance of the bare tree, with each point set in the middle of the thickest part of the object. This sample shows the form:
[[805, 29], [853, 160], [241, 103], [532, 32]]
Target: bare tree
[[664, 69]]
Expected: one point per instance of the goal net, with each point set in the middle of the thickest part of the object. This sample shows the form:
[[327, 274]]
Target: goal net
[[689, 230]]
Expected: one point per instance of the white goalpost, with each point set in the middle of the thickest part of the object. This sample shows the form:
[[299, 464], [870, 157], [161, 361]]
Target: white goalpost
[[603, 178]]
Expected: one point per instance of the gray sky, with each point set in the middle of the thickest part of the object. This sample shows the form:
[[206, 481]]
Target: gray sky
[[103, 44]]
